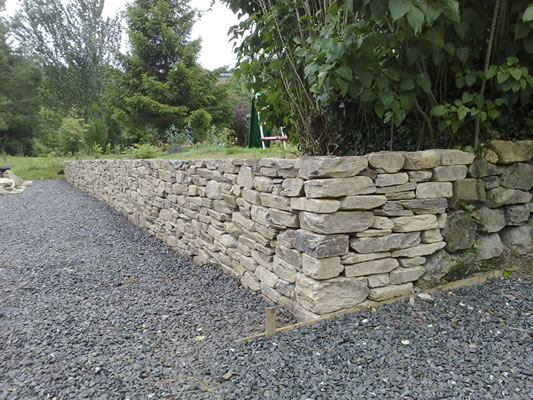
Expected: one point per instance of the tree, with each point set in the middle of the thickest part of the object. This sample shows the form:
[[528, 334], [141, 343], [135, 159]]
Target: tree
[[19, 97], [160, 83], [73, 42]]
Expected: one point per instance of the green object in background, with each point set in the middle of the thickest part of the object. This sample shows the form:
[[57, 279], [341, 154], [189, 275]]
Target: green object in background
[[254, 134]]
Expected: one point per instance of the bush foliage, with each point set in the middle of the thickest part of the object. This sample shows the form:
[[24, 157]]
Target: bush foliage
[[352, 76]]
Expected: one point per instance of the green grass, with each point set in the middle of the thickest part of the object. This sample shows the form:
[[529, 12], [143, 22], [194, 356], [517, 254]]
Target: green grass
[[52, 167], [36, 167], [200, 152]]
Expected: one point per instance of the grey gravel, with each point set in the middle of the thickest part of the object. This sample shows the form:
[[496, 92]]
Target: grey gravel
[[93, 307]]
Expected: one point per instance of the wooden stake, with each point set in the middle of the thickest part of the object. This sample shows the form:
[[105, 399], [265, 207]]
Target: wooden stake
[[270, 322]]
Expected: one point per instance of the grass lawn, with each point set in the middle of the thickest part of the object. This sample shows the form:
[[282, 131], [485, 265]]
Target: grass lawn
[[52, 167]]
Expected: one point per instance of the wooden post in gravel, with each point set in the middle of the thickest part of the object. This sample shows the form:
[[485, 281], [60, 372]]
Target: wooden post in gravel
[[270, 322]]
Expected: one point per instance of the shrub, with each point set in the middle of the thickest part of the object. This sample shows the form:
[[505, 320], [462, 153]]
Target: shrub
[[200, 121]]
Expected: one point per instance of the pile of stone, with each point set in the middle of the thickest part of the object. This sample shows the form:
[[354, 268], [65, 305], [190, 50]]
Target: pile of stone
[[319, 234], [10, 183]]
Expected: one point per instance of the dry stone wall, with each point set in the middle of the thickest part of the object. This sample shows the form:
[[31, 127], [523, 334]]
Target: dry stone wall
[[321, 234]]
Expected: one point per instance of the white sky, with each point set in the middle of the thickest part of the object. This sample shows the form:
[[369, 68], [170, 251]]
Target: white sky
[[212, 28]]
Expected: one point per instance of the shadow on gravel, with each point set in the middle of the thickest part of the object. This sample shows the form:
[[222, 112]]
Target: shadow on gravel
[[93, 307]]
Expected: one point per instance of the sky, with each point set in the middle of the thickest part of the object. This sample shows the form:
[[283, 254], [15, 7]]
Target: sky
[[212, 28]]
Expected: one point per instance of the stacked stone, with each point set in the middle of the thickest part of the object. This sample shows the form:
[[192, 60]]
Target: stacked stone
[[498, 195], [318, 234]]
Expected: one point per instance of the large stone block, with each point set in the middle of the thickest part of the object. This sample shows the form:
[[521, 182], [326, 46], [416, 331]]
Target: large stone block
[[353, 258], [250, 281], [284, 218], [389, 162], [518, 239], [449, 174], [246, 177], [275, 201], [284, 270], [420, 176], [392, 179], [417, 160], [426, 206], [468, 190], [339, 222], [386, 243], [263, 184], [415, 223], [455, 157], [442, 267], [321, 206], [518, 176], [460, 231], [501, 197], [379, 266], [323, 297], [516, 215], [515, 151], [482, 169], [292, 187], [291, 256], [266, 276], [434, 190], [490, 220], [321, 268], [362, 202], [331, 167], [489, 246], [339, 187], [403, 275], [420, 250], [320, 246], [390, 292], [378, 280]]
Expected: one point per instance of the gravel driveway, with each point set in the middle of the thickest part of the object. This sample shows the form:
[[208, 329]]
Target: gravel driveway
[[93, 307]]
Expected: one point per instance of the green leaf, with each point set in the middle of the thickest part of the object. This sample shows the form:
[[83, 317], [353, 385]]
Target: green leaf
[[467, 97], [424, 82], [506, 273], [462, 53], [459, 81], [528, 14], [516, 73], [453, 6], [483, 116], [415, 17], [491, 72], [343, 85], [502, 76], [333, 9], [386, 98], [438, 111], [470, 79], [407, 101], [494, 113], [398, 8], [379, 108], [413, 54], [321, 78], [435, 36], [407, 84], [461, 113], [521, 31], [499, 101], [345, 72]]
